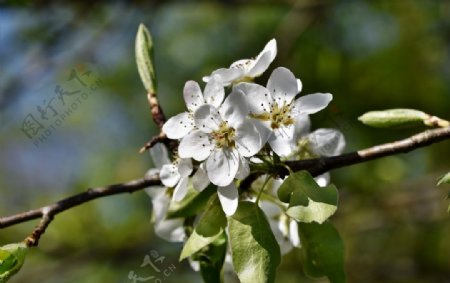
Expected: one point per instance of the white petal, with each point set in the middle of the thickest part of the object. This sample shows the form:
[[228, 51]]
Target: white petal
[[195, 145], [171, 230], [323, 180], [263, 60], [258, 97], [270, 209], [282, 141], [302, 126], [222, 166], [195, 265], [200, 179], [185, 167], [181, 189], [234, 109], [312, 103], [207, 118], [293, 233], [327, 142], [214, 91], [178, 126], [248, 139], [299, 86], [193, 95], [227, 75], [282, 85], [243, 170], [159, 155], [169, 175], [228, 197], [160, 204]]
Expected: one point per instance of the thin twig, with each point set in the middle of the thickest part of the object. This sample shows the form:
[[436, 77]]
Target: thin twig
[[159, 119], [314, 166]]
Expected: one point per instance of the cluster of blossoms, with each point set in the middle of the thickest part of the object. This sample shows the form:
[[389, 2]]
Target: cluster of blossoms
[[221, 135]]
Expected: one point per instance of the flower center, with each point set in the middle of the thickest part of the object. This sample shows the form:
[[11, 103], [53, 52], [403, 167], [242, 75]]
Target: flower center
[[278, 116], [224, 136]]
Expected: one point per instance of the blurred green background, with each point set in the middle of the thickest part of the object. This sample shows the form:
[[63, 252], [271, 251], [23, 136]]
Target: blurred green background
[[371, 55]]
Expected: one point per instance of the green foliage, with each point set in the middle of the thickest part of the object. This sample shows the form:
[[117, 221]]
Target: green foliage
[[211, 259], [255, 251], [209, 228], [308, 202], [394, 118], [12, 257], [322, 251], [192, 203], [144, 58]]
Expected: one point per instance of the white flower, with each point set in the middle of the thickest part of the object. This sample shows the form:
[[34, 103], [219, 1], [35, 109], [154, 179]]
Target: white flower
[[172, 174], [180, 125], [277, 109], [247, 69], [224, 139]]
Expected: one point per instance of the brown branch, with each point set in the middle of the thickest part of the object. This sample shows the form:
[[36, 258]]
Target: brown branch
[[314, 166], [48, 212], [159, 119]]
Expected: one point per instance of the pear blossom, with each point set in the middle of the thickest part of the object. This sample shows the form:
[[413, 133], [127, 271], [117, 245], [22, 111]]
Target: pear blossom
[[277, 109], [246, 69], [180, 125], [223, 140]]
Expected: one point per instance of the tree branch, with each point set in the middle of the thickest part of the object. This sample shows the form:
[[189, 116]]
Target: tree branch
[[314, 166]]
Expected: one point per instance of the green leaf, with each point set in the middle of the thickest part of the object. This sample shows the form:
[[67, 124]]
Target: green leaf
[[255, 251], [394, 118], [209, 228], [444, 179], [144, 58], [192, 203], [308, 202], [322, 251], [212, 258], [12, 258]]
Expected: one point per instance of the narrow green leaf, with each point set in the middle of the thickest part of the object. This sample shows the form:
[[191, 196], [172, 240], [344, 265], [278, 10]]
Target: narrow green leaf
[[394, 118], [322, 251], [12, 258], [255, 251], [444, 179], [308, 202], [211, 260], [192, 203], [144, 58], [209, 228]]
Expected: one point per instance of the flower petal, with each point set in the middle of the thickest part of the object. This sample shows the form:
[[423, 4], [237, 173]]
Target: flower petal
[[258, 97], [293, 233], [214, 91], [159, 155], [160, 205], [302, 126], [312, 103], [323, 180], [200, 179], [228, 197], [169, 175], [263, 60], [185, 167], [243, 170], [181, 189], [222, 166], [171, 230], [178, 126], [193, 95], [234, 109], [327, 142], [207, 118], [282, 85], [282, 141], [248, 139], [227, 75], [195, 145]]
